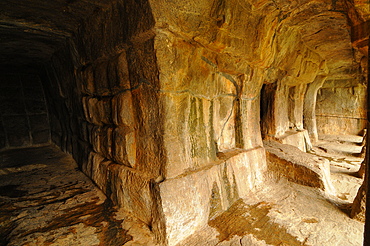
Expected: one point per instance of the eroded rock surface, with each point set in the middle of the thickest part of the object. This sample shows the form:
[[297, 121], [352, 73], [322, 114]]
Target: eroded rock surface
[[148, 95], [45, 200], [303, 168], [283, 213]]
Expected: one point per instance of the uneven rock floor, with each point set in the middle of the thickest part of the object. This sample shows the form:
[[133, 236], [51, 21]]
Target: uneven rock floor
[[284, 213], [45, 200], [344, 154]]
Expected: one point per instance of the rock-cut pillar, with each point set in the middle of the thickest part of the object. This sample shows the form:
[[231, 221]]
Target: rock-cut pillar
[[309, 115]]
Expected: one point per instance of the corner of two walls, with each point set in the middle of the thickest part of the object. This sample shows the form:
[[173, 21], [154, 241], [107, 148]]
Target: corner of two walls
[[164, 114], [211, 132], [105, 107], [139, 132]]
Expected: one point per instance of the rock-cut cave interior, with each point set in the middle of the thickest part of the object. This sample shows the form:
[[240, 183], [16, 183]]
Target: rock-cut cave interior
[[179, 122]]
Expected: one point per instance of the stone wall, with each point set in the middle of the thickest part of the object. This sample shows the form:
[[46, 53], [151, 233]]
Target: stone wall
[[341, 110], [23, 116], [162, 103], [105, 108]]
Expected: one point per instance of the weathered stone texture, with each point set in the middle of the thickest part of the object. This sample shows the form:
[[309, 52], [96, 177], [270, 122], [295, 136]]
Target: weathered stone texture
[[306, 169], [341, 110], [105, 110], [212, 190], [309, 107], [358, 210], [299, 139], [163, 102]]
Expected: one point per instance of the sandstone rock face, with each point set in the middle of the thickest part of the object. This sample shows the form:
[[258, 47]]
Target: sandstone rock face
[[304, 168], [336, 114], [164, 104], [194, 198]]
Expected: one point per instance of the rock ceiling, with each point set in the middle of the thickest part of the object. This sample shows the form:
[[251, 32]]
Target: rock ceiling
[[32, 30]]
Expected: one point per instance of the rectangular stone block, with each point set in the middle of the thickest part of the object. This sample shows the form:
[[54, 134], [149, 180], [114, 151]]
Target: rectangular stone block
[[190, 201], [101, 83], [97, 111], [341, 110], [184, 64], [102, 140], [92, 164], [299, 139], [332, 125], [87, 80], [123, 109], [305, 169], [147, 110], [200, 128], [130, 191], [124, 146], [99, 170], [176, 138], [118, 74]]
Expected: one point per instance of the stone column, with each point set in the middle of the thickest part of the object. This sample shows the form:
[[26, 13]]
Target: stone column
[[296, 102], [309, 116]]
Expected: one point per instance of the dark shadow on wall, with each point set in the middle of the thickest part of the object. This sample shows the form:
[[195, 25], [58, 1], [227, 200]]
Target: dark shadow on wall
[[24, 118]]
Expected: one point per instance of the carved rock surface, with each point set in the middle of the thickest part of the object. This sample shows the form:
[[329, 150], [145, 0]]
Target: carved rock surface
[[302, 168], [148, 95], [213, 189], [45, 200]]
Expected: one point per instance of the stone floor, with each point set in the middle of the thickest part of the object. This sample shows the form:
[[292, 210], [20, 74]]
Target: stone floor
[[285, 213], [344, 154], [45, 200]]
